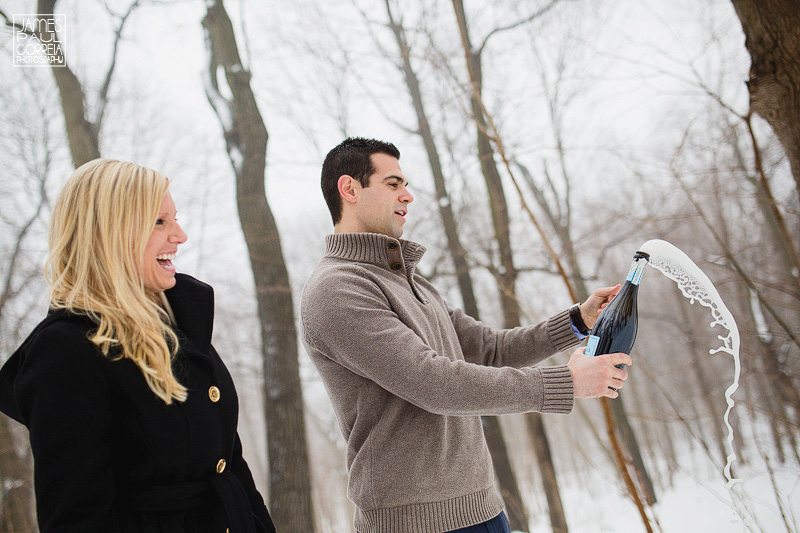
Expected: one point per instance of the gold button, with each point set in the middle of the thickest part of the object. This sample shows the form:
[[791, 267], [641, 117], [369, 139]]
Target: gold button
[[221, 466], [213, 394], [392, 245], [396, 266]]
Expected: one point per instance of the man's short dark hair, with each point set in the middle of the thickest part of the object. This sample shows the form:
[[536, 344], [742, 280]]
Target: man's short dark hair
[[352, 157]]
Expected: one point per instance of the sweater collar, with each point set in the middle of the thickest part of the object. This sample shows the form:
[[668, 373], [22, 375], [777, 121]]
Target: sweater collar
[[376, 249]]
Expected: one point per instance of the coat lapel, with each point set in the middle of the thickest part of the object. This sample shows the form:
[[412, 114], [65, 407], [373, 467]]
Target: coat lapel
[[192, 303]]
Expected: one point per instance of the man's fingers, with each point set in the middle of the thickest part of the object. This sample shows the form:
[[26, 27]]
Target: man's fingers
[[598, 376], [607, 291], [612, 291], [619, 359]]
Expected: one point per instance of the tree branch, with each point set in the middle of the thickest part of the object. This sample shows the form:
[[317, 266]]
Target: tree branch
[[16, 27], [522, 22], [107, 82]]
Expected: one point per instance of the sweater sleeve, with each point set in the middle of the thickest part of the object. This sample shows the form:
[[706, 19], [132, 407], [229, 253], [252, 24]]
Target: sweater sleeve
[[350, 321], [64, 399], [517, 347]]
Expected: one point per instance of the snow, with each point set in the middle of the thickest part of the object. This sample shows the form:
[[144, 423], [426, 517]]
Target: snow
[[691, 506]]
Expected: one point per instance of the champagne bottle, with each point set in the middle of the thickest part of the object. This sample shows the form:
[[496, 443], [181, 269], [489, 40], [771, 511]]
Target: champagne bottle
[[615, 329]]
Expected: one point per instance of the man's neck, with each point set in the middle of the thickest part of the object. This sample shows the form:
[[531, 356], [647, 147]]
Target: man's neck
[[347, 226]]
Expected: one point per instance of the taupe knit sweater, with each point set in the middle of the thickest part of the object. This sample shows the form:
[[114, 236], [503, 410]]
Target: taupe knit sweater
[[409, 377]]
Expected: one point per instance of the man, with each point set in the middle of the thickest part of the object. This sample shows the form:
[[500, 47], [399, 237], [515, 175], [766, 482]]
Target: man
[[409, 376]]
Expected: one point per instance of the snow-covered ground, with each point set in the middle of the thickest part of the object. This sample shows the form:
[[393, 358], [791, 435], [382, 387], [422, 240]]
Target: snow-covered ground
[[691, 506]]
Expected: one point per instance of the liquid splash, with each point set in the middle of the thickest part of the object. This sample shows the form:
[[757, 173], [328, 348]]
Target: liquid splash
[[696, 286]]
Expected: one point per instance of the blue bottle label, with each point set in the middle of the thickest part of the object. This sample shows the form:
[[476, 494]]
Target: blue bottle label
[[591, 345], [631, 273], [635, 273], [637, 277]]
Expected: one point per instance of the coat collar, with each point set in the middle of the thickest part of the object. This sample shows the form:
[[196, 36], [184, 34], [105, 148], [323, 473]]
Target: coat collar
[[192, 303]]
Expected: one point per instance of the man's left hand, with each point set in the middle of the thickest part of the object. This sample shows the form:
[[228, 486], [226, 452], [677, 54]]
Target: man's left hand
[[590, 309]]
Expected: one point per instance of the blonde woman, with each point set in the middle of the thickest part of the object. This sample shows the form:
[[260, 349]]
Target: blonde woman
[[132, 414]]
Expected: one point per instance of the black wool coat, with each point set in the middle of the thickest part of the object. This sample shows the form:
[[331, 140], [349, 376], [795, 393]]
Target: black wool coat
[[109, 455]]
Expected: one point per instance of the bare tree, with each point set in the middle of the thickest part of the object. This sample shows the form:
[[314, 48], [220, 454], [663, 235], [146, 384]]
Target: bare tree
[[246, 143], [773, 40], [507, 273], [27, 141], [83, 131], [517, 514]]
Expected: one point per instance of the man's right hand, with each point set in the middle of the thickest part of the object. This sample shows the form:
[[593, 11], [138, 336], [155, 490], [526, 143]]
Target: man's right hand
[[594, 377]]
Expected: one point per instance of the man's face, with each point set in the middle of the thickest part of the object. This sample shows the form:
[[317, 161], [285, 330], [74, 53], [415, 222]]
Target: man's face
[[382, 207]]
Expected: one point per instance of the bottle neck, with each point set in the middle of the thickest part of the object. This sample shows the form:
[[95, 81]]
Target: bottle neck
[[636, 270]]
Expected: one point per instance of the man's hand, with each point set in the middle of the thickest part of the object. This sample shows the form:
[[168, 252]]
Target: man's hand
[[594, 377], [599, 299]]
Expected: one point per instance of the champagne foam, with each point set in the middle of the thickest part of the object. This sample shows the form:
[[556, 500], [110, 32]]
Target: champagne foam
[[696, 286]]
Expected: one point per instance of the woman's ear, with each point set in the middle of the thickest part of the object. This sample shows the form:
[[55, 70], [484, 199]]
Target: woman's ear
[[348, 188]]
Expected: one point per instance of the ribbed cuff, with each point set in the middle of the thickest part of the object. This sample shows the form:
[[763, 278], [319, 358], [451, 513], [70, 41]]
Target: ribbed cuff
[[559, 329], [559, 391], [434, 516]]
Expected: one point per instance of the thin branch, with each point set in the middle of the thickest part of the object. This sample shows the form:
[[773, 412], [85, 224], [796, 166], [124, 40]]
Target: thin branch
[[530, 18], [8, 292], [107, 82], [369, 22], [728, 255], [794, 258], [16, 27]]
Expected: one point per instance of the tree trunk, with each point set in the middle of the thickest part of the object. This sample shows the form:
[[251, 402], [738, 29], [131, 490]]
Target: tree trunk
[[81, 133], [713, 406], [541, 446], [246, 139], [772, 36], [17, 512], [561, 226], [506, 274], [17, 508], [517, 513]]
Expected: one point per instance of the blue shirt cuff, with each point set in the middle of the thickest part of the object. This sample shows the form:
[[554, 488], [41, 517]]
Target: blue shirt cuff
[[578, 334]]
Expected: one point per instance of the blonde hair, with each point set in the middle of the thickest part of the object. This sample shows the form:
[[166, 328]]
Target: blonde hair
[[99, 228]]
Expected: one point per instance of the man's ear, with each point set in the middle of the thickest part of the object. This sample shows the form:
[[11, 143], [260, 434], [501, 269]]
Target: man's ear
[[349, 188]]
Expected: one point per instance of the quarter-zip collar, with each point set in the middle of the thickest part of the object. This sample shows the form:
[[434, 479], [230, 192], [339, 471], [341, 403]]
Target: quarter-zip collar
[[395, 255], [375, 249]]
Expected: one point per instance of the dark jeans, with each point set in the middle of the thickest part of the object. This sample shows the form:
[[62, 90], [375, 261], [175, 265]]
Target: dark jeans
[[498, 524]]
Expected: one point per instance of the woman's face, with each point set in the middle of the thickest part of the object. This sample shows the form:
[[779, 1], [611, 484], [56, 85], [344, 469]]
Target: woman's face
[[157, 270]]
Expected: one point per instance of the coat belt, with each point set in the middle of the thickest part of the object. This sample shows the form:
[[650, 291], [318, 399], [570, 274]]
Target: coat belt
[[186, 495]]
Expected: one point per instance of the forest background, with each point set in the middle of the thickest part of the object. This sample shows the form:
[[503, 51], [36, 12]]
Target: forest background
[[544, 142]]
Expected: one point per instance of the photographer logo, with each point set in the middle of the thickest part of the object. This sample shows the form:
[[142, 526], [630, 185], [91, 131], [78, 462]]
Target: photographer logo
[[38, 40]]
